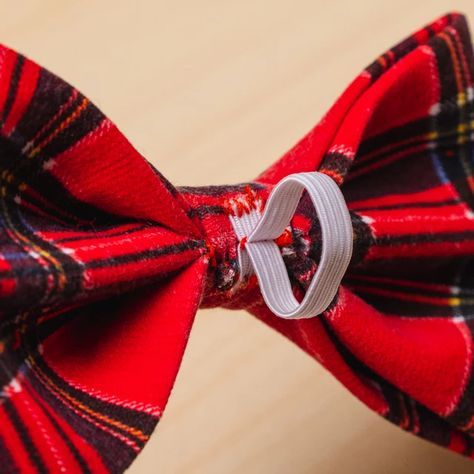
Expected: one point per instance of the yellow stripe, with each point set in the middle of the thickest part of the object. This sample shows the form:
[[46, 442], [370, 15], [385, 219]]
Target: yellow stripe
[[133, 431], [46, 255], [64, 124]]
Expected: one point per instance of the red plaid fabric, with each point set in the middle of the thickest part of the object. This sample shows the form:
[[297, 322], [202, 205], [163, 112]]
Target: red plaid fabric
[[103, 263]]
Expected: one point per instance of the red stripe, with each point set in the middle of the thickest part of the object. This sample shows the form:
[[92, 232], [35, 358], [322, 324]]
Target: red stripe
[[14, 444], [399, 222], [7, 64], [7, 284], [457, 442], [84, 235], [42, 434], [116, 246], [26, 89], [134, 271], [86, 450]]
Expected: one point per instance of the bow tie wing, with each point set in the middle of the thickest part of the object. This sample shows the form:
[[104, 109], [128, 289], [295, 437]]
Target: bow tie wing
[[86, 364], [399, 143]]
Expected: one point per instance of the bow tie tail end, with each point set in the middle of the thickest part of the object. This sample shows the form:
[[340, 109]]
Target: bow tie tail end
[[103, 269]]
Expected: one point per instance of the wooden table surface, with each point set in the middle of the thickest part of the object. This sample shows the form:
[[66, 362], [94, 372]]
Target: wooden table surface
[[212, 92]]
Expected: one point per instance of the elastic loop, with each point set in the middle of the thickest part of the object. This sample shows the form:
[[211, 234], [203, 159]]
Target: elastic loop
[[261, 253]]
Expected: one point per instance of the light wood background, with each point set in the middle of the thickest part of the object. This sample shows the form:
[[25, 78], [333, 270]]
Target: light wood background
[[213, 91]]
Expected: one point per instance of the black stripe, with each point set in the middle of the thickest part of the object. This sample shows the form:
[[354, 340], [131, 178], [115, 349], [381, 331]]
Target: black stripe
[[337, 162], [46, 185], [394, 135], [204, 210], [446, 142], [469, 448], [55, 123], [220, 190], [14, 81], [55, 213], [434, 428], [93, 234], [413, 205], [25, 436], [412, 174], [439, 270], [38, 221], [146, 254], [392, 306], [424, 238], [7, 464], [446, 73], [403, 288]]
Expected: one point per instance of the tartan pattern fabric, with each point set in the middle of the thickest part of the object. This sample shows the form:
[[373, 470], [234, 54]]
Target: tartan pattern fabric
[[103, 263]]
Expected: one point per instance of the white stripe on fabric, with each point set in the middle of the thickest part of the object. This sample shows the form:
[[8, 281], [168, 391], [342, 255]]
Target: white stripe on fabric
[[262, 255]]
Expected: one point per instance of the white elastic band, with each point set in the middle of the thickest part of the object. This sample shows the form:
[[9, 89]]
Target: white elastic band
[[262, 253]]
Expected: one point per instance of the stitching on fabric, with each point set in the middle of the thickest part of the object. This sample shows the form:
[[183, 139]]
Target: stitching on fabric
[[244, 203]]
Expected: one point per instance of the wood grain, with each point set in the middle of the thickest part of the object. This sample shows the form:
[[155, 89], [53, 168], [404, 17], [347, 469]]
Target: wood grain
[[213, 92]]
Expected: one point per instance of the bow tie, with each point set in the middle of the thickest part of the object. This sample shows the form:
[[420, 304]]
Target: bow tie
[[357, 244]]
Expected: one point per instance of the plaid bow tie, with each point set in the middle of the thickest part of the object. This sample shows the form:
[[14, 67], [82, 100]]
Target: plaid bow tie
[[103, 263]]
